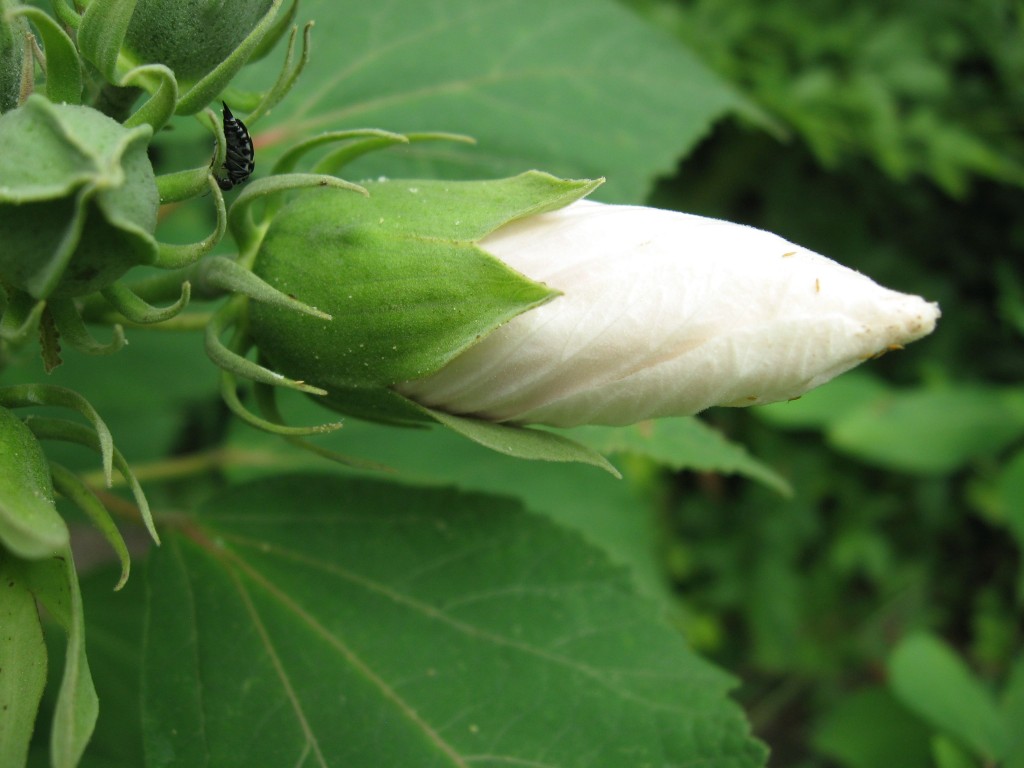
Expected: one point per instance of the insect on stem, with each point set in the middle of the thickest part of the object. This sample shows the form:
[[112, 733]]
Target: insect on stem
[[241, 157]]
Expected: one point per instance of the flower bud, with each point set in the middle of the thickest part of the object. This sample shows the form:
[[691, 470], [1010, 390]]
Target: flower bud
[[659, 314], [402, 277], [195, 38], [12, 48], [78, 199]]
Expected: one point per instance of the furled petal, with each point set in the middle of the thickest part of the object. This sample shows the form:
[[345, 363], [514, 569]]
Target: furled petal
[[666, 314]]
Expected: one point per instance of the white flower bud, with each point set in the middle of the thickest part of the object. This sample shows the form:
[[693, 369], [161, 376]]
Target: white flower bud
[[666, 314]]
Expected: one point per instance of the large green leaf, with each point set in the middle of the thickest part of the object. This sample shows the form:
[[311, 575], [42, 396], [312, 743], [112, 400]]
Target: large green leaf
[[579, 88], [616, 515], [316, 621], [682, 444]]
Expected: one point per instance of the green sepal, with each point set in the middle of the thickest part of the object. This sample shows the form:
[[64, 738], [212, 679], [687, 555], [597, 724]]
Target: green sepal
[[70, 486], [386, 406], [162, 86], [30, 525], [290, 159], [466, 210], [342, 156], [45, 428], [378, 404], [66, 11], [73, 331], [178, 255], [523, 442], [19, 316], [273, 36], [27, 395], [78, 200], [102, 32], [134, 309], [244, 228], [63, 67], [290, 71], [400, 273], [183, 185]]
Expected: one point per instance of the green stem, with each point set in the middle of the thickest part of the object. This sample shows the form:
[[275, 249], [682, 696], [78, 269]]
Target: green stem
[[202, 463]]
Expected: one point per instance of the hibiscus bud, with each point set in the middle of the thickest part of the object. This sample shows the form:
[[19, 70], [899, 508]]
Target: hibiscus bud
[[665, 314], [204, 42], [515, 301]]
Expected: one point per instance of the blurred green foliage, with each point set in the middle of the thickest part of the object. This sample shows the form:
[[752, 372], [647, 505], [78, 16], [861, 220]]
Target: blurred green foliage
[[897, 150], [919, 89], [876, 615]]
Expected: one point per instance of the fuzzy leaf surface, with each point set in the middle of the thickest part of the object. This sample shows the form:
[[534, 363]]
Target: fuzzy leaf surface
[[581, 88], [318, 621]]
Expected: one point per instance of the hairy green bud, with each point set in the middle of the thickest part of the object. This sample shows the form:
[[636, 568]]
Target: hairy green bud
[[78, 199], [403, 277], [203, 42]]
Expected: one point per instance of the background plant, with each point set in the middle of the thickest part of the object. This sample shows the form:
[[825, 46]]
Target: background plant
[[861, 578]]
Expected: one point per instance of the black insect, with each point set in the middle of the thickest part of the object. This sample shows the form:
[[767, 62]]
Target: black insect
[[241, 158]]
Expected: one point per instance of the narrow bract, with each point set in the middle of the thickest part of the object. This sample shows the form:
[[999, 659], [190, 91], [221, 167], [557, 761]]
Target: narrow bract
[[665, 314]]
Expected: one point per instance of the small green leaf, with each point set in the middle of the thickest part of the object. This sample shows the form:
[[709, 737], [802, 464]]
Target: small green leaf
[[679, 444], [522, 442], [30, 525], [931, 431], [22, 663], [468, 210], [330, 611], [934, 682], [79, 494]]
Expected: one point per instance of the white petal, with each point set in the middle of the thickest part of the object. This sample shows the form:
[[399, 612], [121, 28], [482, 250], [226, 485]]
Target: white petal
[[666, 314]]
